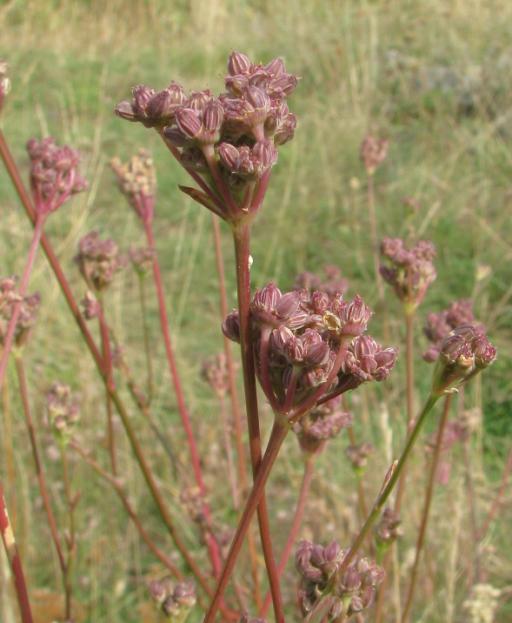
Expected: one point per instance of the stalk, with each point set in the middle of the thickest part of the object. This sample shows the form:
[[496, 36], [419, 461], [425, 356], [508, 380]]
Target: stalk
[[147, 341], [241, 237], [8, 449], [277, 437], [41, 478], [391, 479], [426, 508], [309, 465], [13, 556], [213, 547], [71, 503], [22, 290], [25, 199], [109, 369]]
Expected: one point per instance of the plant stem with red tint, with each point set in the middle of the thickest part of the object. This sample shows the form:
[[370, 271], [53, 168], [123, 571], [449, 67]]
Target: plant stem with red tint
[[13, 556], [426, 508], [109, 369]]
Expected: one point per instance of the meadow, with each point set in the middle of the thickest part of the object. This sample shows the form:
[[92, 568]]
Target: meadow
[[434, 78]]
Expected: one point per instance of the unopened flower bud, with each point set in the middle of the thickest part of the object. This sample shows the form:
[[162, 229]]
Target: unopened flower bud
[[239, 63]]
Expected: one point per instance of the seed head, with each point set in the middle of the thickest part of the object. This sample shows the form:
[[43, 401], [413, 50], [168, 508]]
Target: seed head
[[29, 310], [62, 411], [137, 181], [373, 152], [98, 261]]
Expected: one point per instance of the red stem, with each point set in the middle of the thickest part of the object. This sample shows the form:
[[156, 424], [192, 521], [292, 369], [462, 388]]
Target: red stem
[[242, 238], [107, 358], [13, 556], [22, 290], [41, 479], [426, 508], [277, 437], [307, 477], [121, 409], [213, 547]]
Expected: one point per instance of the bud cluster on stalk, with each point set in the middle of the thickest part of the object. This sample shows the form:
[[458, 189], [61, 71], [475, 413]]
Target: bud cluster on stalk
[[373, 152], [54, 175], [235, 134], [141, 259], [439, 324], [389, 529], [410, 271], [348, 593], [62, 411], [358, 455], [215, 373], [98, 261], [463, 353], [5, 83], [137, 181], [305, 339], [29, 309], [323, 422], [174, 600]]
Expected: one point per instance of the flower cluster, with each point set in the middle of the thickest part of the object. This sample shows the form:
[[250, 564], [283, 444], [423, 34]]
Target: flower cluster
[[331, 283], [141, 259], [29, 309], [54, 174], [90, 305], [323, 422], [388, 530], [137, 182], [5, 83], [463, 353], [411, 271], [373, 152], [439, 325], [231, 139], [358, 455], [62, 410], [215, 373], [98, 260], [175, 601], [311, 344], [349, 592]]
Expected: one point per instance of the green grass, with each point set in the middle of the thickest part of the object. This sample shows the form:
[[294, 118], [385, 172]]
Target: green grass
[[434, 77]]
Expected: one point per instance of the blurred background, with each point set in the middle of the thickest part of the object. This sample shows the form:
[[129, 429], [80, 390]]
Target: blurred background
[[433, 77]]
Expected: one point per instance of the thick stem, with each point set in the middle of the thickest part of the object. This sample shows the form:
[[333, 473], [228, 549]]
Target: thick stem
[[275, 442], [389, 483], [213, 547], [21, 291], [109, 370], [426, 508], [13, 556], [307, 477], [147, 338], [98, 360], [241, 236], [41, 479]]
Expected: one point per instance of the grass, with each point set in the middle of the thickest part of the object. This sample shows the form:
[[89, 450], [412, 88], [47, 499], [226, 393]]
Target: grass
[[434, 77]]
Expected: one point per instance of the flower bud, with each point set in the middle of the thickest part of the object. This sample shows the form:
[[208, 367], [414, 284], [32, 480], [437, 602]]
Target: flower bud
[[239, 63], [231, 326], [188, 122]]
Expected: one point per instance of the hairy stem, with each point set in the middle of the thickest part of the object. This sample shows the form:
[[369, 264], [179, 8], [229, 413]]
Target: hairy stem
[[241, 236], [420, 541], [13, 556], [307, 477]]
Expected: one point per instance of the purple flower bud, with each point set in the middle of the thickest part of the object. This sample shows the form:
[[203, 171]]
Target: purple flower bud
[[373, 152], [188, 122], [162, 106], [141, 94], [229, 156], [231, 326], [258, 99], [239, 63], [198, 100], [213, 117]]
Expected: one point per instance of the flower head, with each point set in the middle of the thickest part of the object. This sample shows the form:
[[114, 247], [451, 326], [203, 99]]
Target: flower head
[[98, 260], [62, 411], [174, 600], [29, 310], [137, 182], [348, 593], [215, 372], [409, 271], [141, 259], [463, 353], [331, 283], [373, 152], [54, 175], [320, 424]]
